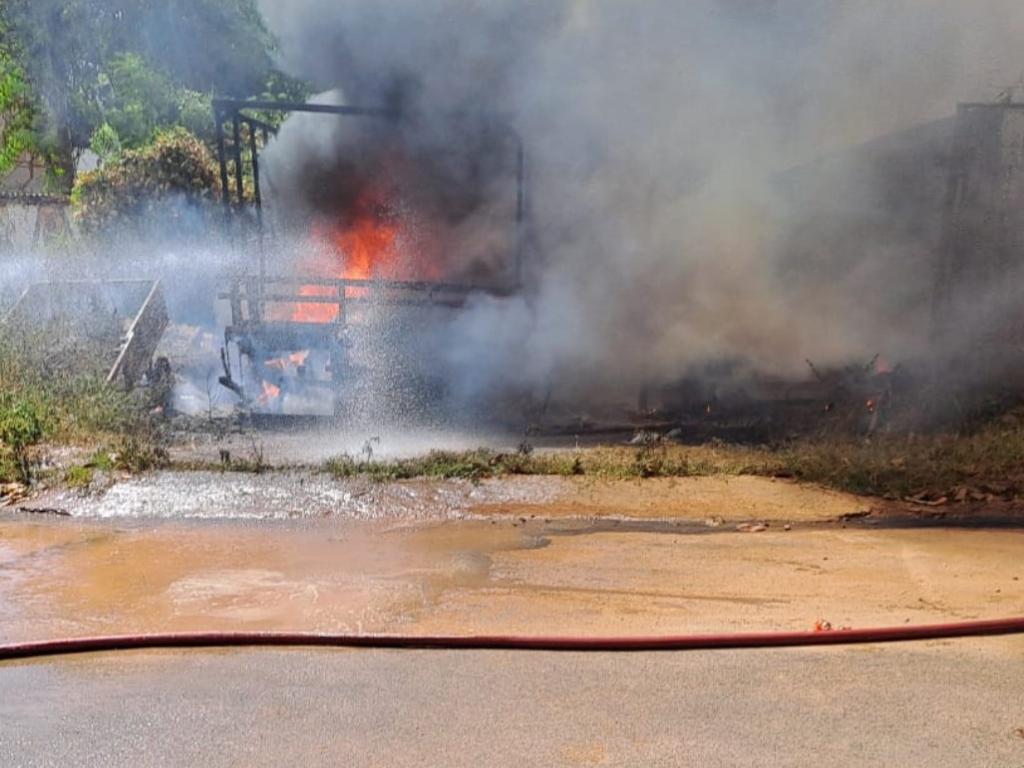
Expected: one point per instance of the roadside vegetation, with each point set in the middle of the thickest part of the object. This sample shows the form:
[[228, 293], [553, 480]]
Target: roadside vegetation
[[988, 463], [60, 397], [112, 81], [137, 186]]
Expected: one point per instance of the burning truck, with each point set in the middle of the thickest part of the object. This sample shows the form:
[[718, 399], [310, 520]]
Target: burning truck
[[358, 257], [361, 244]]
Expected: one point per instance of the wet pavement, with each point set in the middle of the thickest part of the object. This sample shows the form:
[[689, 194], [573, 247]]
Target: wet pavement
[[525, 572], [925, 706], [532, 556], [302, 494]]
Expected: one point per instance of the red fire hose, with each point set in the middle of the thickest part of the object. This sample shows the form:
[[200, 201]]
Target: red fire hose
[[510, 642]]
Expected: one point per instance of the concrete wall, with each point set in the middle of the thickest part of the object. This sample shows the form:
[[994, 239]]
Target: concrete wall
[[30, 221], [981, 262]]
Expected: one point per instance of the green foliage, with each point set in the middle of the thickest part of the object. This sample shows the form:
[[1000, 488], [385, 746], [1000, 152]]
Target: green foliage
[[130, 453], [17, 109], [21, 421], [206, 45], [21, 426], [138, 454], [50, 390], [134, 99], [87, 405], [195, 114], [139, 66], [988, 462], [134, 102], [473, 465], [147, 184], [54, 392], [102, 461], [106, 143], [78, 477], [281, 87]]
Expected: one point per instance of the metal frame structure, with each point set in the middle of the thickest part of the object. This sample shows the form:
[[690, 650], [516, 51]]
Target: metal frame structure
[[250, 330]]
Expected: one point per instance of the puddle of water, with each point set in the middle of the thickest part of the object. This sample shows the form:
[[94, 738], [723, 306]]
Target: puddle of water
[[205, 552], [84, 577], [294, 495]]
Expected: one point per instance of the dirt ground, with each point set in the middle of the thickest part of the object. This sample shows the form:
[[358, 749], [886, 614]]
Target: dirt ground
[[286, 551], [302, 494]]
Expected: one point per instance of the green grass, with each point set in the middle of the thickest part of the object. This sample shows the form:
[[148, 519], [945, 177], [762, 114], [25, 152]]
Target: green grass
[[992, 457], [138, 453], [893, 466], [103, 460], [80, 477], [106, 460], [609, 462]]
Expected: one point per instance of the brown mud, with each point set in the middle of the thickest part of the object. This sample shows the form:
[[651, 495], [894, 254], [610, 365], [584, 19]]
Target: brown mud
[[523, 555]]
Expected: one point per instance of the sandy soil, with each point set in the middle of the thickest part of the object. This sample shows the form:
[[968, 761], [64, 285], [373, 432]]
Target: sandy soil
[[712, 499], [527, 555]]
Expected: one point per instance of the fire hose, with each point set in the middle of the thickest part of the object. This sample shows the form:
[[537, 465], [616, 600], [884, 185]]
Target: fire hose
[[61, 647]]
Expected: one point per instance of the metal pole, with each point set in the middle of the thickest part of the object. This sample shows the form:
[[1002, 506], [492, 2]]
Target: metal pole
[[225, 190], [258, 199], [295, 106], [236, 132], [254, 153]]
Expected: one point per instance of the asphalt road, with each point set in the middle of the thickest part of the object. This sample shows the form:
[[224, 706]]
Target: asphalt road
[[935, 704]]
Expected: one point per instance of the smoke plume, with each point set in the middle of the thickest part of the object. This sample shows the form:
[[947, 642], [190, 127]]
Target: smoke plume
[[668, 228]]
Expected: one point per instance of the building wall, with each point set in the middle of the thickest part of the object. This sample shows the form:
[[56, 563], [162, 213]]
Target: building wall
[[31, 221], [27, 178], [982, 254]]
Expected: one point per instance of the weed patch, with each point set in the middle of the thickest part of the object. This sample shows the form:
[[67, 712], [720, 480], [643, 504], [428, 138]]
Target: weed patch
[[43, 398], [894, 466]]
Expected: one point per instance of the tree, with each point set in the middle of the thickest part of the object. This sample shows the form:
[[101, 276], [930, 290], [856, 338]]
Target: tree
[[150, 188], [18, 110], [221, 46], [136, 66], [16, 113], [58, 50]]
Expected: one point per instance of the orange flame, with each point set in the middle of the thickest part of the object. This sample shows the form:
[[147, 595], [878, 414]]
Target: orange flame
[[270, 393], [315, 313], [367, 248], [296, 360]]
